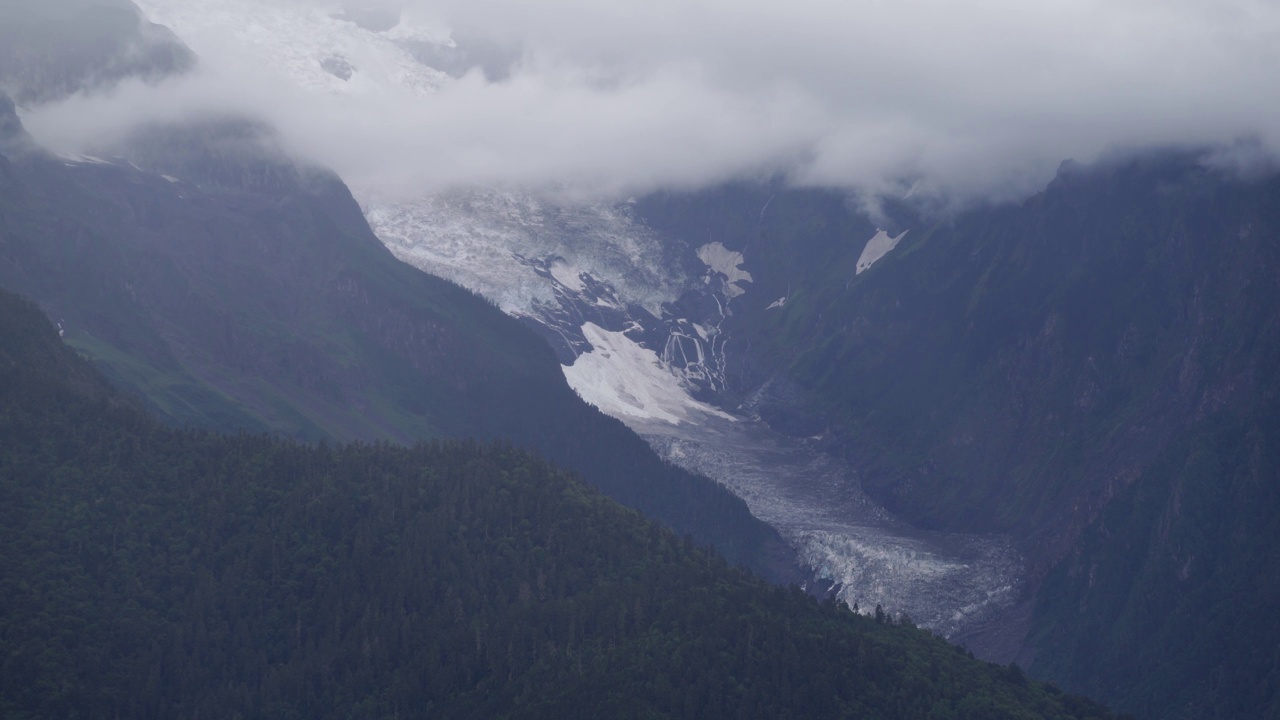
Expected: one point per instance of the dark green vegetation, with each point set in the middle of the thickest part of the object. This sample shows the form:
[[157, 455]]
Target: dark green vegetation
[[153, 572], [248, 293], [1169, 604], [1094, 371]]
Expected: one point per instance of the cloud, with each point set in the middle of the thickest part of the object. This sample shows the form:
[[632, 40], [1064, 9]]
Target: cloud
[[957, 100]]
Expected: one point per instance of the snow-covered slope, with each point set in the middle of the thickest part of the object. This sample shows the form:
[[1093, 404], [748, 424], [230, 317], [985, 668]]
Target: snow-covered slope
[[304, 42], [560, 267]]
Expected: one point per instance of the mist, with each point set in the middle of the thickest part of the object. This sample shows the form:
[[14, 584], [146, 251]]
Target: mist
[[603, 100]]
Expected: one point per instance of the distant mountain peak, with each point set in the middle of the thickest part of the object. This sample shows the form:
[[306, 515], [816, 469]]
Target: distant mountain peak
[[52, 49], [13, 136]]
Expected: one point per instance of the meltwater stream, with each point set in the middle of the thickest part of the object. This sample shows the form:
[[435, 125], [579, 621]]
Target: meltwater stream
[[945, 582]]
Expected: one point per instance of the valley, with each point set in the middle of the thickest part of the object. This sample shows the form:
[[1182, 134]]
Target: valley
[[1039, 421], [946, 582], [638, 321]]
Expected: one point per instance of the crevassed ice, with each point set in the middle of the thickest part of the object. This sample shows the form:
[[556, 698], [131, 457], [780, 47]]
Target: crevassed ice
[[481, 239]]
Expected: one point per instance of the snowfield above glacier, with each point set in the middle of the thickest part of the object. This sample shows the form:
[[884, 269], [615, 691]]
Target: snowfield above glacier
[[292, 39], [728, 263]]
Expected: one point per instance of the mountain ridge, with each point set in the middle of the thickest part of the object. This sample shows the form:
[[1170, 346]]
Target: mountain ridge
[[252, 295], [158, 572], [1032, 368]]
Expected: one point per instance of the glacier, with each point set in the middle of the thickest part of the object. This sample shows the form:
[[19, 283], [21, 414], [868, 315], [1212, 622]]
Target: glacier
[[637, 320]]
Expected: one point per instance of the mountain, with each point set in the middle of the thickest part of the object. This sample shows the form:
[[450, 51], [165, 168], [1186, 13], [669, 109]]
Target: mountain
[[231, 288], [1092, 371], [993, 417], [156, 572], [56, 48]]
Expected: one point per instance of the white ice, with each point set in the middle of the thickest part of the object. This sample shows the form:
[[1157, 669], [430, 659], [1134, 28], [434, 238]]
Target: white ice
[[290, 38], [946, 582], [477, 238], [625, 380]]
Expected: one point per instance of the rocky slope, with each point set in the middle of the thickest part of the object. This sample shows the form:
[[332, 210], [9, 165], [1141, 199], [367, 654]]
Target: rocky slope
[[1071, 370], [232, 288]]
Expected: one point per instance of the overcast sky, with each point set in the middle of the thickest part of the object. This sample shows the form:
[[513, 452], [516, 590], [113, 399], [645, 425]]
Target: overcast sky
[[982, 98]]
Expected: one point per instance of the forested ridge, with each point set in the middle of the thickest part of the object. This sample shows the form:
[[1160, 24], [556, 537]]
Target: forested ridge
[[147, 571], [248, 293]]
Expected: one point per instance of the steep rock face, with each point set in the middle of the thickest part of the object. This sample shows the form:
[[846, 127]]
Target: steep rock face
[[13, 137], [966, 368], [793, 243], [1099, 359], [1015, 367], [1167, 604], [231, 288]]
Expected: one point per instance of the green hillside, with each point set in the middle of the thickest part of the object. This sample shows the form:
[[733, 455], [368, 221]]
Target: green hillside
[[152, 572], [232, 289]]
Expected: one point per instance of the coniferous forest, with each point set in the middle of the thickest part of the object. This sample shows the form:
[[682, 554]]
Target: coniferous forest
[[147, 571]]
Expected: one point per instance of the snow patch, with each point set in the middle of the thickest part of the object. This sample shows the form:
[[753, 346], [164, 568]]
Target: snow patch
[[877, 247], [625, 380], [728, 263]]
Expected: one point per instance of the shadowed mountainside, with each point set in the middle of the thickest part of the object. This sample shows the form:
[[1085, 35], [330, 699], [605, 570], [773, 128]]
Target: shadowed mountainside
[[1071, 370], [152, 572], [232, 289]]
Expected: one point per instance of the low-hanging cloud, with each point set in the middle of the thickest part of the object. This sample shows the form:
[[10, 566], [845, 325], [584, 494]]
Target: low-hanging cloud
[[956, 100]]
